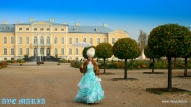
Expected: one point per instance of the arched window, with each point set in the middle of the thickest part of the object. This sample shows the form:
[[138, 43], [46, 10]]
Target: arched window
[[20, 40], [27, 50], [98, 40], [48, 29], [56, 51], [35, 40], [48, 40], [20, 51], [55, 40], [76, 51], [27, 28], [70, 40], [70, 51], [12, 40], [84, 40], [62, 51], [76, 40], [55, 29], [62, 29], [5, 40], [48, 51], [35, 29], [105, 40], [5, 51], [113, 40], [12, 51], [41, 29], [41, 40], [91, 40], [27, 40], [62, 40], [20, 28], [42, 51]]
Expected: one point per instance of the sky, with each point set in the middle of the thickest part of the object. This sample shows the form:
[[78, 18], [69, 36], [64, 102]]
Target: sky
[[127, 15]]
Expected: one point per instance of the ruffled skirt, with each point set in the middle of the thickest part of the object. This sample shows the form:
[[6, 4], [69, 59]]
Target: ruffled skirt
[[90, 90]]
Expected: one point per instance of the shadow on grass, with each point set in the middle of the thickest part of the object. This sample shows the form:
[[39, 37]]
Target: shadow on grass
[[166, 91], [153, 72], [128, 79]]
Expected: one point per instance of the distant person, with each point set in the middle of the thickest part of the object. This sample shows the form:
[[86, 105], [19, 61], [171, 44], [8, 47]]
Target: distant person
[[90, 90]]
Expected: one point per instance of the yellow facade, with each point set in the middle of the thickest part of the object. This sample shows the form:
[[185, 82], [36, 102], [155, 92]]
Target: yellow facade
[[46, 38]]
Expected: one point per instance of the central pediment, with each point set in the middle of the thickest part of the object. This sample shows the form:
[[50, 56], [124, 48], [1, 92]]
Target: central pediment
[[41, 23]]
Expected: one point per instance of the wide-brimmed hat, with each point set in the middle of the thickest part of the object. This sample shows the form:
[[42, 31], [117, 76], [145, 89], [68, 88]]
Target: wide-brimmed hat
[[90, 52]]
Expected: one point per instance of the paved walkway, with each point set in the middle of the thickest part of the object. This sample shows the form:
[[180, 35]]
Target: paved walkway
[[57, 84]]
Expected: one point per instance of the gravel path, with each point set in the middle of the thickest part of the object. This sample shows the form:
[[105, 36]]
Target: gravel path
[[58, 85]]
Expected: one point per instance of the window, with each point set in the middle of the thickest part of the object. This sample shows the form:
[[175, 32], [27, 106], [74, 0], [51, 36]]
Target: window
[[48, 29], [12, 40], [62, 29], [35, 40], [91, 41], [35, 29], [27, 50], [41, 40], [75, 29], [12, 51], [62, 51], [55, 40], [98, 40], [20, 51], [62, 40], [70, 40], [35, 52], [70, 51], [48, 40], [76, 51], [76, 40], [27, 28], [5, 51], [5, 40], [48, 51], [84, 40], [55, 51], [20, 28], [55, 29], [20, 40], [41, 29], [105, 40], [27, 40], [41, 51], [5, 59], [113, 40]]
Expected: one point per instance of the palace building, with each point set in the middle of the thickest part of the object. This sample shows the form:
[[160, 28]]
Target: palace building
[[47, 38]]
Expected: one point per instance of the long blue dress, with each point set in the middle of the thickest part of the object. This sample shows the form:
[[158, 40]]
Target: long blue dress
[[90, 90]]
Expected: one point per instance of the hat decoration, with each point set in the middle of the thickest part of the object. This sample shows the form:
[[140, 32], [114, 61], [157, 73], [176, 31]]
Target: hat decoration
[[90, 52]]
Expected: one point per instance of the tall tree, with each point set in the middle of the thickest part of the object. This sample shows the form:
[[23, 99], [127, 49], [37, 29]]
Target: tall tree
[[104, 50], [142, 40], [149, 54], [126, 48], [170, 40]]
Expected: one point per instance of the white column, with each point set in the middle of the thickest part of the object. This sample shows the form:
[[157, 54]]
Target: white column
[[44, 51]]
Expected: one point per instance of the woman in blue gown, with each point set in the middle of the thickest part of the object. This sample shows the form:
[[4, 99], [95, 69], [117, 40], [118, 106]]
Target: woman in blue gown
[[90, 90]]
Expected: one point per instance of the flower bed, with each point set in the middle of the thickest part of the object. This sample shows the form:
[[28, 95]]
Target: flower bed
[[3, 64]]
